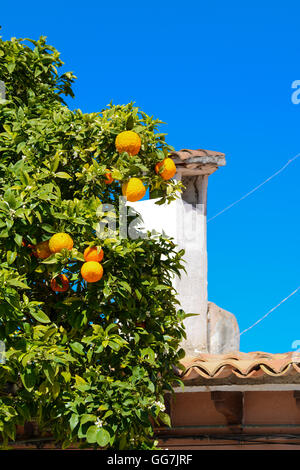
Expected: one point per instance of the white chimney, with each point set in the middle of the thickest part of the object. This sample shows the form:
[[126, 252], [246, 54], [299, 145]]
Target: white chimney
[[213, 330]]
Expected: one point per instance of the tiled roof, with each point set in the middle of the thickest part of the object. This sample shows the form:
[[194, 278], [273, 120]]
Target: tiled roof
[[253, 365], [198, 161], [187, 154]]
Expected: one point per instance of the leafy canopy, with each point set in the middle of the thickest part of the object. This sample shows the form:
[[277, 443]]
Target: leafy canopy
[[90, 365]]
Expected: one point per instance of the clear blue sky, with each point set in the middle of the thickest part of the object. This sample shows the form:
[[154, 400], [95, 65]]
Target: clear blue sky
[[219, 74]]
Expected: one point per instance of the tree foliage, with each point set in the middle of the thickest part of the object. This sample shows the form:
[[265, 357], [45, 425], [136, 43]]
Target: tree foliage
[[90, 365]]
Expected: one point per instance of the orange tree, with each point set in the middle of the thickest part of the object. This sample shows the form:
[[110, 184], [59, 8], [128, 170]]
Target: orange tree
[[88, 318]]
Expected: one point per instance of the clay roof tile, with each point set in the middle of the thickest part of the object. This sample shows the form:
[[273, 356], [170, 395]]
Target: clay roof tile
[[242, 365]]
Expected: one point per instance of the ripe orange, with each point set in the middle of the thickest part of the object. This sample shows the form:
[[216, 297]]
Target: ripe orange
[[166, 169], [60, 241], [91, 271], [91, 254], [133, 190], [128, 141], [42, 250], [108, 178], [63, 286]]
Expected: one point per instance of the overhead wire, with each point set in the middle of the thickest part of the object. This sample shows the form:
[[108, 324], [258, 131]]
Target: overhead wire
[[234, 204], [256, 188]]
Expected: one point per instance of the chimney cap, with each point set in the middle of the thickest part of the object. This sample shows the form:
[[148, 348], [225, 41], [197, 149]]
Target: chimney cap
[[197, 162]]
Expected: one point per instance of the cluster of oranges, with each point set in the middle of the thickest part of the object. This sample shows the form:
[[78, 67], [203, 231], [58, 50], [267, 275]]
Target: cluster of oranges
[[134, 189], [91, 270]]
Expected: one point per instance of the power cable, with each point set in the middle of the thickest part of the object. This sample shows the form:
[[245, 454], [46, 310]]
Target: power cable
[[270, 311], [255, 189]]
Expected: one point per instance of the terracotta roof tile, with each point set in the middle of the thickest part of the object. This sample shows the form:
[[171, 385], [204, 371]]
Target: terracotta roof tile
[[199, 161], [187, 154], [242, 365]]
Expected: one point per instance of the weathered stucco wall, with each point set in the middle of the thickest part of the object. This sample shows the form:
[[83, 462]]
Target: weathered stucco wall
[[187, 225]]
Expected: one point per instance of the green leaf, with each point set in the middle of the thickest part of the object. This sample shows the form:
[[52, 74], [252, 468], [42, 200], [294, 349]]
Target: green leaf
[[187, 315], [181, 353], [66, 375], [78, 256], [125, 285], [107, 414], [21, 146], [165, 418], [4, 233], [113, 345], [11, 66], [55, 390], [148, 355], [40, 316], [27, 358], [51, 260], [87, 418], [78, 348], [63, 175], [11, 256], [129, 123], [18, 239], [110, 327], [48, 228], [138, 294], [55, 163], [79, 380], [10, 198], [91, 435], [74, 420], [102, 437], [29, 379], [49, 373], [17, 283], [116, 174], [162, 287]]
